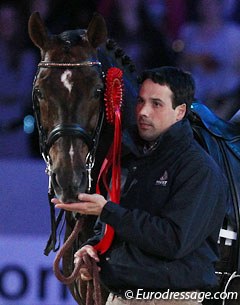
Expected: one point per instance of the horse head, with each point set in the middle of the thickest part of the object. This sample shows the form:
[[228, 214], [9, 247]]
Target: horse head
[[67, 97]]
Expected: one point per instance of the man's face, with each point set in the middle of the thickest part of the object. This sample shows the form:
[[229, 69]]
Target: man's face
[[154, 110]]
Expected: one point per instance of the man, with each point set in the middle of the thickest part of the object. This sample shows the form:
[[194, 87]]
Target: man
[[172, 203]]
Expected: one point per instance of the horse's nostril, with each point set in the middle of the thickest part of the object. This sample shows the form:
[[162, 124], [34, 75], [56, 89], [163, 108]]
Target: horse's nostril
[[79, 183]]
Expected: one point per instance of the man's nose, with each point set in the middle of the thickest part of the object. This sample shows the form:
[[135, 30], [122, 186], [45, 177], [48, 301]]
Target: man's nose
[[144, 110]]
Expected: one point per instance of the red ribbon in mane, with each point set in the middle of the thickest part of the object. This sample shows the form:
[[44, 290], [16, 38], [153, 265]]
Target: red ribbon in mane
[[113, 101]]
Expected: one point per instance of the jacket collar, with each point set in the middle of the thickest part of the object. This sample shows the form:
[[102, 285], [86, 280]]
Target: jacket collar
[[176, 138]]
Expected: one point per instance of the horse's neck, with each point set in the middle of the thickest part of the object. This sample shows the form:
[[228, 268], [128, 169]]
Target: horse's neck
[[115, 57]]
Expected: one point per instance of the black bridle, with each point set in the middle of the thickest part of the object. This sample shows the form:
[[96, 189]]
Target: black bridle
[[61, 130], [46, 140]]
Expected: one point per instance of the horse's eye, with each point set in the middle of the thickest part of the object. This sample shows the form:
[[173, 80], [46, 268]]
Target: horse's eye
[[38, 93], [97, 93]]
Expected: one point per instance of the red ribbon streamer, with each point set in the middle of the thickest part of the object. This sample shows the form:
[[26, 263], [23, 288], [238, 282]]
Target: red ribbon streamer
[[113, 102]]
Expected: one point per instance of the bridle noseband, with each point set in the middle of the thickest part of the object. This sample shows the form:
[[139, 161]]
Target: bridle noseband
[[74, 130], [61, 130]]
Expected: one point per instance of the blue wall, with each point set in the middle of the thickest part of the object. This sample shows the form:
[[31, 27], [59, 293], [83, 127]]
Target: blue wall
[[26, 276]]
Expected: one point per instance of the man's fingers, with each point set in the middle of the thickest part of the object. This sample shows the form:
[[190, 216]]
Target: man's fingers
[[85, 275], [77, 260], [87, 250], [85, 197], [71, 207], [93, 254], [89, 197], [90, 204], [55, 201]]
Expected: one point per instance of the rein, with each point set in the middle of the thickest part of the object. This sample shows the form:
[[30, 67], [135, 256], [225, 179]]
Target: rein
[[93, 289]]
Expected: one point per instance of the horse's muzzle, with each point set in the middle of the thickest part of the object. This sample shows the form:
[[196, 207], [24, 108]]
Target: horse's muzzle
[[68, 188]]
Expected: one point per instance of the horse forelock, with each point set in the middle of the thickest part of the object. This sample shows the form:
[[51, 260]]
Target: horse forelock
[[69, 46], [73, 37]]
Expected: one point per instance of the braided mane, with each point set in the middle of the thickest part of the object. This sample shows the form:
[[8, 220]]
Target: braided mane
[[126, 61], [111, 55]]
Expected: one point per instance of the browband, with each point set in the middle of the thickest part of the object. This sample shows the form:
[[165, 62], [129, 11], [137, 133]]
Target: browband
[[46, 64]]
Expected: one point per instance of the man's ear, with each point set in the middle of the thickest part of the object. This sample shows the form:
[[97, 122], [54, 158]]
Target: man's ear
[[181, 111]]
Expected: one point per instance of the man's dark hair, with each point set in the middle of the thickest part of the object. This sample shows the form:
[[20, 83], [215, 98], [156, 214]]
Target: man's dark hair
[[179, 82]]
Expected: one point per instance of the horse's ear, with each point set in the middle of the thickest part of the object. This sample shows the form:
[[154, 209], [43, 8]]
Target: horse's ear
[[37, 30], [97, 31]]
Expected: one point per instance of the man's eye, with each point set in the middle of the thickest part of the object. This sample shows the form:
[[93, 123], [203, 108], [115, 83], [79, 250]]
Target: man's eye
[[139, 100], [156, 104]]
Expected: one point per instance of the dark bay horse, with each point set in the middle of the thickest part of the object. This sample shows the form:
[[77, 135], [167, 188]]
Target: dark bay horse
[[75, 137], [68, 104]]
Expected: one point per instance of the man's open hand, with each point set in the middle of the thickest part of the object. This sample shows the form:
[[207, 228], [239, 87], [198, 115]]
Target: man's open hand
[[90, 204]]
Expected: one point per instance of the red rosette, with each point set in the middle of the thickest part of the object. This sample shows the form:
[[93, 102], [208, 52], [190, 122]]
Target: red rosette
[[113, 93], [113, 102]]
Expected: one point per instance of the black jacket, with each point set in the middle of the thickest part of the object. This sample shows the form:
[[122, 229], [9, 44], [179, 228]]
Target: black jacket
[[167, 225]]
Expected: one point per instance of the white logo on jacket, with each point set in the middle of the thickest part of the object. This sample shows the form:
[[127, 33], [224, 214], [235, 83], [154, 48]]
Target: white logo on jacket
[[163, 180]]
